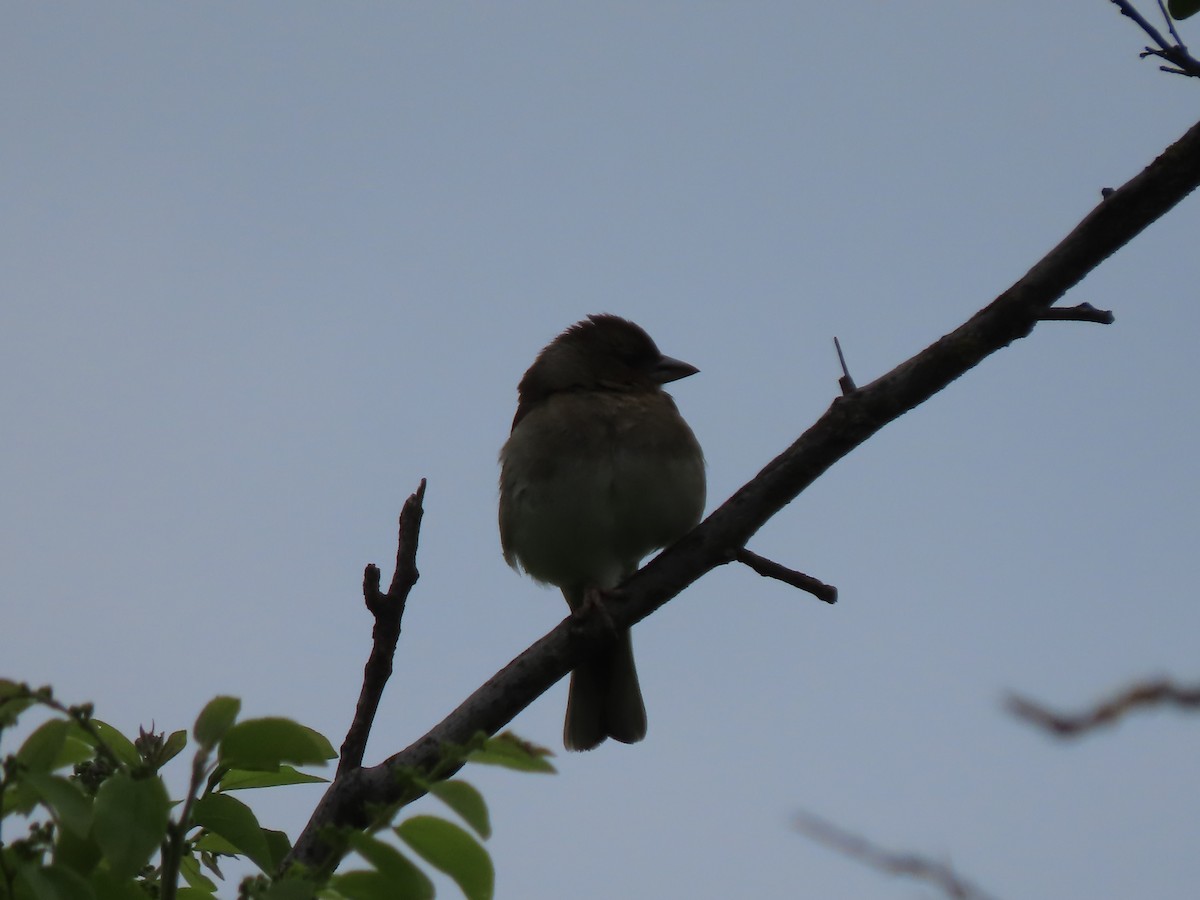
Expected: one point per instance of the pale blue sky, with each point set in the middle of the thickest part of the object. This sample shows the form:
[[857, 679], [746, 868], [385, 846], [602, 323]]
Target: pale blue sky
[[267, 265]]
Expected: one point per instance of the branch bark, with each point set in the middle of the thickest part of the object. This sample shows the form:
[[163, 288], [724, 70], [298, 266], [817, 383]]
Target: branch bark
[[388, 610], [912, 865], [1138, 696], [849, 421]]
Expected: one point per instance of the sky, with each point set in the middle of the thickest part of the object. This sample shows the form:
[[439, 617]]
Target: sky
[[266, 266]]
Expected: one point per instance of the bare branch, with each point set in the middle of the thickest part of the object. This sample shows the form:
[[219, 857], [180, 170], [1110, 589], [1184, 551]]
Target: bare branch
[[1146, 694], [1162, 8], [1184, 62], [912, 865], [388, 610], [850, 421], [771, 569], [846, 383], [1084, 312], [1127, 9]]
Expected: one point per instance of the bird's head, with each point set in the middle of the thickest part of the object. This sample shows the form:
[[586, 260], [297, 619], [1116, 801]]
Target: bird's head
[[603, 352]]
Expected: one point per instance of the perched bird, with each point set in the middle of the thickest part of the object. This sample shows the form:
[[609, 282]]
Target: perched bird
[[600, 470]]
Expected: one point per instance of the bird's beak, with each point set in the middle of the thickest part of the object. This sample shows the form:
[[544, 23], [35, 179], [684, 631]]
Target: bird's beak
[[669, 369]]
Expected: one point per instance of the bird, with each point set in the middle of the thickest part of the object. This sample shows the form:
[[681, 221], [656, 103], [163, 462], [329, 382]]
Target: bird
[[600, 470]]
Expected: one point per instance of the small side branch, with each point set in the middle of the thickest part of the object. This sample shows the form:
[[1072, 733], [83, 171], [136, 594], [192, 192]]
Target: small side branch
[[1084, 312], [771, 569], [859, 848], [846, 383], [388, 610], [1162, 8], [1150, 693], [1182, 62]]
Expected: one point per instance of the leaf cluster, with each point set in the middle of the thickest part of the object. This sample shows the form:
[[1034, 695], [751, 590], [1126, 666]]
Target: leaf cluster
[[101, 824]]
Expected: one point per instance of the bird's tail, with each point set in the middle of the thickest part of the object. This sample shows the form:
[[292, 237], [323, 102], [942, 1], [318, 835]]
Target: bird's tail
[[605, 699]]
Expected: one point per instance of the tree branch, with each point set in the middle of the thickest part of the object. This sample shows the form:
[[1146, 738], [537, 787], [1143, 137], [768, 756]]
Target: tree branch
[[1084, 312], [1177, 54], [1150, 693], [388, 610], [771, 569], [848, 422], [1162, 8], [856, 847]]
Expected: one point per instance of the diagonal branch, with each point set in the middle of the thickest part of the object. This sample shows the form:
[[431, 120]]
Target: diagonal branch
[[848, 422]]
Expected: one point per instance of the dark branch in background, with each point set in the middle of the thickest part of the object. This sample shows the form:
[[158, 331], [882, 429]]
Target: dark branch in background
[[849, 422], [770, 569], [388, 610], [1150, 693], [1183, 63], [1084, 312], [909, 864]]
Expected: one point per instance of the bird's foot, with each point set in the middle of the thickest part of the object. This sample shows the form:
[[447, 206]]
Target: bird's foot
[[592, 617]]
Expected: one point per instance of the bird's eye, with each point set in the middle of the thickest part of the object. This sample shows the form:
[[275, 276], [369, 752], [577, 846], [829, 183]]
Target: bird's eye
[[639, 355]]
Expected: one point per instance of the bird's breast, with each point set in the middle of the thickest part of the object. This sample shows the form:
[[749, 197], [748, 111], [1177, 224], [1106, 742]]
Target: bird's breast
[[590, 484]]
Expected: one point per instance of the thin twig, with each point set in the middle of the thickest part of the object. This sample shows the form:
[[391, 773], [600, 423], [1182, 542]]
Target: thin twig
[[1084, 312], [1149, 693], [1185, 63], [1162, 8], [1128, 9], [910, 864], [846, 383], [771, 569], [388, 610]]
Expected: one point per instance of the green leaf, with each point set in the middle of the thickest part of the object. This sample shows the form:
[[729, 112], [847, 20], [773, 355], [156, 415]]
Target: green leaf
[[465, 800], [194, 893], [241, 779], [278, 843], [15, 698], [120, 745], [266, 743], [451, 849], [129, 820], [71, 808], [189, 868], [233, 820], [20, 799], [215, 720], [363, 885], [513, 753], [54, 883], [407, 880], [109, 887], [75, 749], [216, 845], [172, 747], [40, 750], [79, 853], [1182, 9], [290, 889]]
